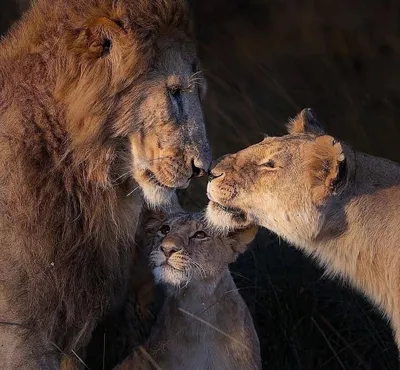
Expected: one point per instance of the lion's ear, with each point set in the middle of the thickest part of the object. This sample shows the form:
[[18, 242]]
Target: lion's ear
[[327, 168], [96, 39], [242, 238], [305, 122]]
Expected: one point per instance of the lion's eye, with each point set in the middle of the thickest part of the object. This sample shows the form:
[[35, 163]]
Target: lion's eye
[[199, 235], [175, 91], [164, 230], [269, 164], [107, 45]]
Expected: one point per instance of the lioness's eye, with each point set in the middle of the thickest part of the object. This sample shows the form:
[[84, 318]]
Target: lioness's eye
[[269, 164], [199, 235], [164, 230]]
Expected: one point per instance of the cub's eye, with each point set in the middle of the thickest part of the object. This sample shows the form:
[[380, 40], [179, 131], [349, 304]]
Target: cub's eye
[[199, 235], [164, 230], [269, 164]]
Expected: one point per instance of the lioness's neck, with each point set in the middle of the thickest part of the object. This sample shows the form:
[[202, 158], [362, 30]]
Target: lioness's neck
[[359, 240]]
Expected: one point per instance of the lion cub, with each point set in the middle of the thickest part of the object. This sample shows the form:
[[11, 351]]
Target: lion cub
[[204, 322]]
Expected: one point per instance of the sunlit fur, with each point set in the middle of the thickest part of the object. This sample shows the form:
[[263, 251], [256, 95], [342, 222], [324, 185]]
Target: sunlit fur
[[198, 281], [87, 127], [340, 206]]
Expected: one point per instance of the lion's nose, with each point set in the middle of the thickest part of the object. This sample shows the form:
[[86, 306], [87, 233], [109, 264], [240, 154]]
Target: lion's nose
[[169, 249], [198, 169]]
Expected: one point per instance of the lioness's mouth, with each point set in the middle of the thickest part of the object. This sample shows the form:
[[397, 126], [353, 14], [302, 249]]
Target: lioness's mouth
[[236, 212]]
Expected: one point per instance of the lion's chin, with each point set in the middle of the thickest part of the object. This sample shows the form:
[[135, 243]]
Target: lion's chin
[[225, 218], [157, 196]]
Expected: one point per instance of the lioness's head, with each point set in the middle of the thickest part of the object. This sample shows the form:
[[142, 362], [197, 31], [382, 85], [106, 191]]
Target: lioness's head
[[283, 183], [186, 249], [129, 85]]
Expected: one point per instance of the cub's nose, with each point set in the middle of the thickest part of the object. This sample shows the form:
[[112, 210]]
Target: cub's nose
[[169, 248]]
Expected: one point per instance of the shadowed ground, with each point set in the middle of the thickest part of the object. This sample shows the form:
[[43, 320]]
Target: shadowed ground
[[264, 61]]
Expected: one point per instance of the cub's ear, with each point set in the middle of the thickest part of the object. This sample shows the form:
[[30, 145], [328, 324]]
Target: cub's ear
[[96, 39], [151, 220], [305, 122], [242, 238], [327, 169]]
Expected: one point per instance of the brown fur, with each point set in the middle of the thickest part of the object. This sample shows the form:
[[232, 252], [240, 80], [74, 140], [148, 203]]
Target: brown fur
[[340, 206], [197, 280], [87, 116]]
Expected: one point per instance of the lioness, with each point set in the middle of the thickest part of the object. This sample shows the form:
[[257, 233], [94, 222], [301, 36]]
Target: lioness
[[204, 323], [337, 205], [99, 110]]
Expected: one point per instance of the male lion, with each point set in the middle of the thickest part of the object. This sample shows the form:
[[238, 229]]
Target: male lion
[[337, 205], [99, 104]]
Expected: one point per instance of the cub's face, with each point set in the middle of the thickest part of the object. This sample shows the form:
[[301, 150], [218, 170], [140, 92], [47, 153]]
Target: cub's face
[[282, 183], [185, 249], [130, 81]]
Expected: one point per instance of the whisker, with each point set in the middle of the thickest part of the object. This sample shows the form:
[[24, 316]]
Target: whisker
[[199, 268], [124, 174], [196, 73], [160, 158], [131, 192], [138, 187], [149, 358]]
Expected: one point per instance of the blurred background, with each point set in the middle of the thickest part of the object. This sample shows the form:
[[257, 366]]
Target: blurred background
[[264, 61]]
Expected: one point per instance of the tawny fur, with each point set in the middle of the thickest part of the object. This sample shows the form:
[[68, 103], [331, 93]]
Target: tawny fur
[[87, 117], [204, 322], [339, 206]]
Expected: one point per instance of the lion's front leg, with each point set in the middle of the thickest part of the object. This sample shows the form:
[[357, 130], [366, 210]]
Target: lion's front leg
[[22, 351]]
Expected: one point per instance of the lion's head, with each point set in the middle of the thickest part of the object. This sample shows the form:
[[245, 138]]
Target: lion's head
[[283, 183], [185, 249], [128, 83]]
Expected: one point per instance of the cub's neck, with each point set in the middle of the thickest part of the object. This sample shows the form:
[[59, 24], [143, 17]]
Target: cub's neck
[[201, 295]]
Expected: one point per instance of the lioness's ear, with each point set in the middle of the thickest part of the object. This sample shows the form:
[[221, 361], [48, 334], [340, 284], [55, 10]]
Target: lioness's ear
[[327, 169], [242, 238], [96, 39], [305, 122]]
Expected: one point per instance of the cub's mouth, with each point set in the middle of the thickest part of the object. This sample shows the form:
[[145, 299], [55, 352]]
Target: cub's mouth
[[167, 274]]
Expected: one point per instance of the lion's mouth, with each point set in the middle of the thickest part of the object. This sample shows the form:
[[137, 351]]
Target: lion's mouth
[[235, 212], [153, 179]]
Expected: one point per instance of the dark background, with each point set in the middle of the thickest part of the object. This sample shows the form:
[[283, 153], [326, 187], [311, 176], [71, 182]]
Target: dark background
[[265, 60]]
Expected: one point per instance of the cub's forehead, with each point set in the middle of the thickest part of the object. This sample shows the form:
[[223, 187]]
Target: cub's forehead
[[188, 222]]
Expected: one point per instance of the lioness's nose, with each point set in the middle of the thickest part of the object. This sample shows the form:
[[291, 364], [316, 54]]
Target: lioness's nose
[[214, 174], [216, 169], [169, 248]]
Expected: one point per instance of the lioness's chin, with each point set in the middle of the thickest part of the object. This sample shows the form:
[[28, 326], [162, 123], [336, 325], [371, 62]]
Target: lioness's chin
[[166, 274], [226, 218]]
